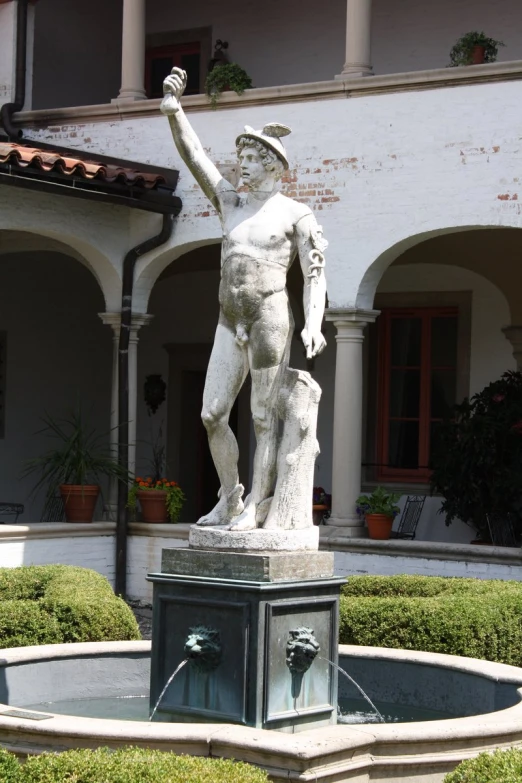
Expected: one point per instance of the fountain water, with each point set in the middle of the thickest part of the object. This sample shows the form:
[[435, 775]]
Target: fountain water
[[176, 670], [483, 701], [363, 693]]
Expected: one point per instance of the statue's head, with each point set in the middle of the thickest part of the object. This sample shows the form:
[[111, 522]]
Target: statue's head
[[256, 149]]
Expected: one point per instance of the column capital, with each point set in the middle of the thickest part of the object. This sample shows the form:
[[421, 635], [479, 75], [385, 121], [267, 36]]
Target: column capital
[[351, 316], [111, 319], [114, 319]]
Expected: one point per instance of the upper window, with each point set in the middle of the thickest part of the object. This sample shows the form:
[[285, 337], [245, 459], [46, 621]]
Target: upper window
[[417, 387], [160, 60]]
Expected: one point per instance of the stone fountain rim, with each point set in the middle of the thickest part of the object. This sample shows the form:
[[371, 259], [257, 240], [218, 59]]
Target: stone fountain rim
[[329, 749]]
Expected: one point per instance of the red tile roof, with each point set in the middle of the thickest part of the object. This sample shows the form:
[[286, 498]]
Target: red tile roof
[[47, 160]]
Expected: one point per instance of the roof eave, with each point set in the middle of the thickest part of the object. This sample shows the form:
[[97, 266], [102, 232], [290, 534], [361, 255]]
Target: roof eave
[[160, 200]]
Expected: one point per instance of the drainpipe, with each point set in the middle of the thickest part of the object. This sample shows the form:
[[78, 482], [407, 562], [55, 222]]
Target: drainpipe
[[8, 109], [123, 393]]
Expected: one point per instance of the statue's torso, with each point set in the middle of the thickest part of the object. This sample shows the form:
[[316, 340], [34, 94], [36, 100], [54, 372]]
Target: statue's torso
[[258, 249]]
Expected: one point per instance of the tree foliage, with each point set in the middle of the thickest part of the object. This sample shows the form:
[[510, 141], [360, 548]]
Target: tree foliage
[[477, 457]]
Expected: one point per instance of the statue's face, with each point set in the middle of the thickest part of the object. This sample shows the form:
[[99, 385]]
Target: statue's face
[[253, 172]]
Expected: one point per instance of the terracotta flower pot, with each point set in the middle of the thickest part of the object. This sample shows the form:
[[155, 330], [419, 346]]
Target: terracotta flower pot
[[478, 54], [79, 501], [379, 526], [153, 505], [318, 512]]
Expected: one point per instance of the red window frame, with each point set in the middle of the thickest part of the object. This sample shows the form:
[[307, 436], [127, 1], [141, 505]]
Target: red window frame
[[425, 314], [176, 51]]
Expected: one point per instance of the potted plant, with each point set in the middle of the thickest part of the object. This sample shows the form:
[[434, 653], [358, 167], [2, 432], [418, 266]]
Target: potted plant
[[321, 504], [477, 457], [226, 76], [159, 499], [379, 509], [474, 48], [75, 466]]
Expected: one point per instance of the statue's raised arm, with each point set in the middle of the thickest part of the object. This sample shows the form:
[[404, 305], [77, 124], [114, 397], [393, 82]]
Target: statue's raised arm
[[189, 146]]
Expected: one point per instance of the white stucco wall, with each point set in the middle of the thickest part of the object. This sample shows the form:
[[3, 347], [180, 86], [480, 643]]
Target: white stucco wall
[[381, 172], [410, 35], [490, 356], [306, 44], [491, 353], [58, 352], [77, 52]]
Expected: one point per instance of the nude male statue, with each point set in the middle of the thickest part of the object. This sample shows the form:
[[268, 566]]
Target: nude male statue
[[263, 231]]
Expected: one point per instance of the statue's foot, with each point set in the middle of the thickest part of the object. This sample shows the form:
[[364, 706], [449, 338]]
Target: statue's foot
[[246, 520], [227, 508]]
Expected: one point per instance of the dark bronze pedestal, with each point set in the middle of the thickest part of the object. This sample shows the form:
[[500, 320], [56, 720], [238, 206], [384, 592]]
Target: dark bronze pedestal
[[258, 637]]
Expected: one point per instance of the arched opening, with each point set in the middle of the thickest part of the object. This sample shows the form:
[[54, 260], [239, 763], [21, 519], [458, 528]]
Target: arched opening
[[444, 303], [177, 345], [56, 353]]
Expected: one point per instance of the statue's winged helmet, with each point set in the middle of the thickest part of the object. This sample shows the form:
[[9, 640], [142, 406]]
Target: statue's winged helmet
[[270, 136]]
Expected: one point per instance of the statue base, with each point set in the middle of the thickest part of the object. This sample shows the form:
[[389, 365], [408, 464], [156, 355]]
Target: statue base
[[258, 631], [258, 540]]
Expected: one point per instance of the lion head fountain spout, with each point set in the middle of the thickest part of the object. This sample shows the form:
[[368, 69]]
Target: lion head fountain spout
[[203, 648], [301, 650]]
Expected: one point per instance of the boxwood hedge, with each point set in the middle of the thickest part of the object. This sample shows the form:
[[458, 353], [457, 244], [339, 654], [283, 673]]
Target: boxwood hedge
[[126, 765], [503, 766], [51, 604], [472, 617]]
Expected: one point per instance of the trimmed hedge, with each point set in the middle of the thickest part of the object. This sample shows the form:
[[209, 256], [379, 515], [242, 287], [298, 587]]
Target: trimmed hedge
[[502, 766], [471, 617], [9, 767], [53, 604], [126, 765]]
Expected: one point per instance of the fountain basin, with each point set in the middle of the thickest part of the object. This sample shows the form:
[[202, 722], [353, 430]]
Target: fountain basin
[[487, 696]]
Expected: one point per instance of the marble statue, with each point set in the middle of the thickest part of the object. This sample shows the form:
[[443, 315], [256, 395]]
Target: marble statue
[[263, 231]]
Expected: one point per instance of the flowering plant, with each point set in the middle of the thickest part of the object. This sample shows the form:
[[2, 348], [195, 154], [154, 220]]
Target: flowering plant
[[174, 500], [320, 498], [379, 502]]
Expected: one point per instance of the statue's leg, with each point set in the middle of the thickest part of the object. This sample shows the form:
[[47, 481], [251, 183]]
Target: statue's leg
[[227, 370], [269, 349]]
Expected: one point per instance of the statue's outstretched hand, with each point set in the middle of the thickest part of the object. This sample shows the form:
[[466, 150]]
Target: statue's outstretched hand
[[313, 342], [173, 88]]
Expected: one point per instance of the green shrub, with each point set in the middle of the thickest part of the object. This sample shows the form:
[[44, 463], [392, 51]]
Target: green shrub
[[24, 623], [9, 767], [134, 765], [470, 617], [87, 609], [57, 603], [503, 766]]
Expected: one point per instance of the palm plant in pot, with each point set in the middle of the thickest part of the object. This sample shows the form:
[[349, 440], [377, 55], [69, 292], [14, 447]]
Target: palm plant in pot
[[379, 509], [77, 464]]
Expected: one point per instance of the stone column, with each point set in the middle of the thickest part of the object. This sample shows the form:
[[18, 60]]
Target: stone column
[[133, 51], [358, 58], [514, 335], [113, 319], [137, 322], [347, 428]]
